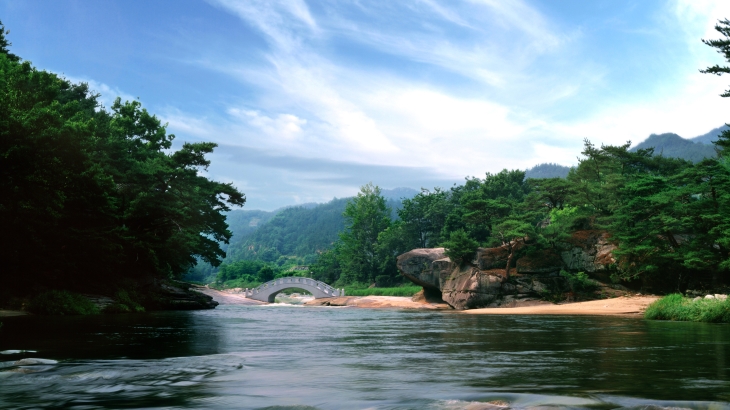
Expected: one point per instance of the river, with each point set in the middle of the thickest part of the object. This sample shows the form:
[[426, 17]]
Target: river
[[287, 357]]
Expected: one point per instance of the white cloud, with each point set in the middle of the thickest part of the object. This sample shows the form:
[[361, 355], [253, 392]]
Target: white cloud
[[108, 93]]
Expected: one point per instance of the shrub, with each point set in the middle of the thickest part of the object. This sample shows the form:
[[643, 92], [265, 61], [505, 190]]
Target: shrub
[[61, 302], [579, 282], [677, 307], [460, 247], [124, 304]]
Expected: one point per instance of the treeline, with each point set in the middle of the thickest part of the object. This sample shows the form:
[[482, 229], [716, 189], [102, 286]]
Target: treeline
[[669, 217], [94, 195]]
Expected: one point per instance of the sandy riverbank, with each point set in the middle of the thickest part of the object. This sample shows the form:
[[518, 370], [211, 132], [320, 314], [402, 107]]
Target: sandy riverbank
[[621, 306], [377, 302]]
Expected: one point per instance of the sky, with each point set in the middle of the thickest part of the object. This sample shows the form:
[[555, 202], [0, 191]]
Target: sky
[[309, 100]]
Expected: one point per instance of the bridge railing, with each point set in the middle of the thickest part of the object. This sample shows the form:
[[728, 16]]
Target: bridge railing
[[296, 280]]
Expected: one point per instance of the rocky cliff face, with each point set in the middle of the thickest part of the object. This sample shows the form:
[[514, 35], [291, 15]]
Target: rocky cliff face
[[483, 282]]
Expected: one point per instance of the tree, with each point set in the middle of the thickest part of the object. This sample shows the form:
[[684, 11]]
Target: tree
[[366, 216], [100, 194], [723, 47], [511, 233], [460, 248]]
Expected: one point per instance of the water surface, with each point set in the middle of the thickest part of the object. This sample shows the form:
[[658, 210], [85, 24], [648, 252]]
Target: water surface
[[283, 357]]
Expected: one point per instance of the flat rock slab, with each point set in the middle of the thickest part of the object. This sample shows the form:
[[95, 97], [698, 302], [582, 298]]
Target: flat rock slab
[[622, 306], [226, 298], [377, 302]]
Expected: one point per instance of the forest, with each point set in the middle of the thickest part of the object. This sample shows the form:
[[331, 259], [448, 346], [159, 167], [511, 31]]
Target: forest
[[95, 198]]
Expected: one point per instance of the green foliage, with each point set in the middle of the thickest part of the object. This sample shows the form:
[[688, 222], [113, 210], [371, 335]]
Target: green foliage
[[124, 304], [88, 187], [723, 47], [677, 307], [579, 282], [61, 302], [397, 291], [366, 216], [460, 248]]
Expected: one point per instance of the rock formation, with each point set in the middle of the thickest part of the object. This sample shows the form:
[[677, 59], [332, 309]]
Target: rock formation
[[483, 282]]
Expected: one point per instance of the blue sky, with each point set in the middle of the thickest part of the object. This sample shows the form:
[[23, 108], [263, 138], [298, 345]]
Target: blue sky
[[308, 100]]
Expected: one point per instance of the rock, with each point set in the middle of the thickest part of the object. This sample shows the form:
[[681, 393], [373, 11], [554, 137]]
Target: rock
[[417, 266], [710, 297], [588, 251], [697, 298], [720, 297], [539, 287], [33, 361], [468, 288], [492, 258], [542, 261]]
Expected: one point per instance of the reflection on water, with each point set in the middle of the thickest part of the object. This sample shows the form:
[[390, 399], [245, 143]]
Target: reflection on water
[[342, 358]]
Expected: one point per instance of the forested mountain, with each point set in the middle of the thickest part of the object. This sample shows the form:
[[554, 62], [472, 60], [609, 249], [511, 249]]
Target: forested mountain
[[673, 146], [243, 222], [711, 136], [548, 170]]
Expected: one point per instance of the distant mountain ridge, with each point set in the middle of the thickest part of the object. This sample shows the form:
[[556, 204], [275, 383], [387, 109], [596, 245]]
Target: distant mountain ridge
[[547, 170], [711, 136], [672, 145]]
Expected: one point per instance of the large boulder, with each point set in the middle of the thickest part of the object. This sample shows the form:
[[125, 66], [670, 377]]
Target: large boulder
[[417, 266], [468, 287]]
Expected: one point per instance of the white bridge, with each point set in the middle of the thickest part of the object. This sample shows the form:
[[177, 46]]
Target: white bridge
[[268, 291]]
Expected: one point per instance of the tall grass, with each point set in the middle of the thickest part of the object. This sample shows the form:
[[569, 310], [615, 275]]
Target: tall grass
[[677, 307], [399, 291]]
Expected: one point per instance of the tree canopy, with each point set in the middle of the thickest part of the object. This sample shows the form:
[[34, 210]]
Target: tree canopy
[[98, 194]]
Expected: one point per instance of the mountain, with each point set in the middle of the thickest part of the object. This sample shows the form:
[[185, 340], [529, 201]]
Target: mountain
[[711, 136], [398, 194], [547, 170], [672, 145]]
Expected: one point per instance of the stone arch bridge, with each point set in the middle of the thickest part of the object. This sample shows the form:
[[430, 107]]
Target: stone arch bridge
[[267, 292]]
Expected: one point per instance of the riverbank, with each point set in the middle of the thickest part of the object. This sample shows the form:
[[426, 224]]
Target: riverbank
[[8, 313], [378, 302], [620, 306]]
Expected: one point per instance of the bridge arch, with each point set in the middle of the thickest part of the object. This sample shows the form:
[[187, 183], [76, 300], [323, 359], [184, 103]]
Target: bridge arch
[[267, 292]]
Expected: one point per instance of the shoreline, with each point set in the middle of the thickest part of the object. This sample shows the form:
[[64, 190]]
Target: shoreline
[[626, 306]]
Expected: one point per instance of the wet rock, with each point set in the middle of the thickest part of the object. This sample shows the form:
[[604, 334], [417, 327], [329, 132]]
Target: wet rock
[[31, 361]]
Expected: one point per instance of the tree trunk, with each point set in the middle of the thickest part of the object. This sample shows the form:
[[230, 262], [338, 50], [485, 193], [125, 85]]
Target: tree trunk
[[509, 259]]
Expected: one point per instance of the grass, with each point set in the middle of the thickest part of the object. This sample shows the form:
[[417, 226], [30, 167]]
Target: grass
[[61, 302], [679, 308], [399, 291]]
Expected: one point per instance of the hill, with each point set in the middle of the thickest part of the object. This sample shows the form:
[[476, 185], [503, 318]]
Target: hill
[[711, 136], [674, 146], [547, 170]]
